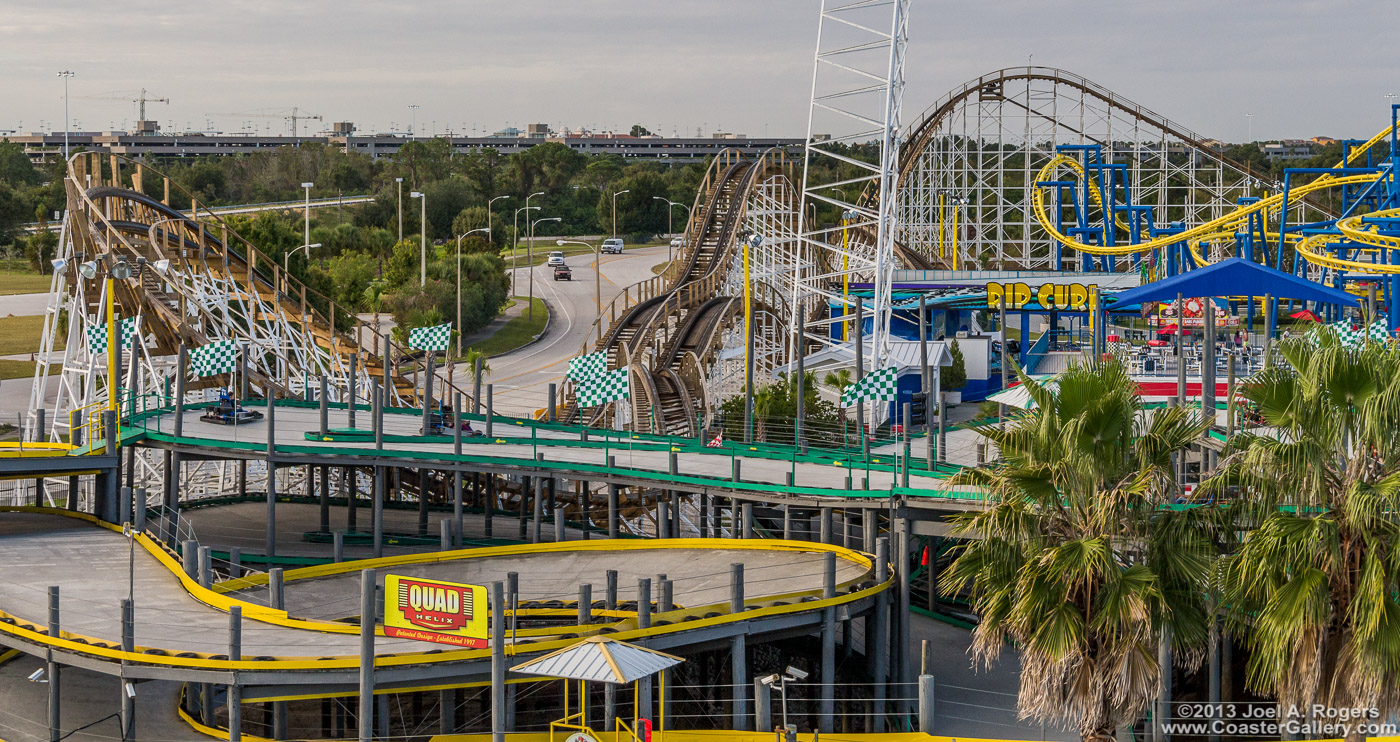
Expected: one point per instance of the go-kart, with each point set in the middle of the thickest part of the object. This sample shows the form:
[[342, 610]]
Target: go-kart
[[229, 412]]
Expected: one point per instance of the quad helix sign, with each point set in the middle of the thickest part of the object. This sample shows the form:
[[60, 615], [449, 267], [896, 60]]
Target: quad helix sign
[[433, 611]]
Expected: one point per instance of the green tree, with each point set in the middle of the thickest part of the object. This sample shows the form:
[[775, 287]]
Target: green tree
[[547, 167], [402, 267], [1075, 560], [15, 168], [12, 213], [640, 131], [446, 199], [637, 210], [775, 409], [351, 274], [955, 375], [39, 249], [1312, 588]]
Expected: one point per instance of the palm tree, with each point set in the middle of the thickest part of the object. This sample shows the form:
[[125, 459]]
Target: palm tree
[[1076, 560], [1312, 589], [470, 357], [839, 380], [763, 402]]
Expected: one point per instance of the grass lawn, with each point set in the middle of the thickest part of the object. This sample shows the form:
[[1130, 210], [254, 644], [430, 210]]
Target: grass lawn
[[24, 283], [20, 335], [23, 369], [515, 333]]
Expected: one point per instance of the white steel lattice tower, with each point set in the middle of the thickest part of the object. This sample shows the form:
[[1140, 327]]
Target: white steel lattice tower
[[850, 166]]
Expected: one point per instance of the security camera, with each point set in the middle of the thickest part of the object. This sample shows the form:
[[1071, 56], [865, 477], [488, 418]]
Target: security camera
[[768, 680], [796, 673], [34, 677], [130, 690]]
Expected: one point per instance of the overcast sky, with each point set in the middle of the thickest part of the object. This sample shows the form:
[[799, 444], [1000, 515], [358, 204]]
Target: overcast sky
[[1302, 67]]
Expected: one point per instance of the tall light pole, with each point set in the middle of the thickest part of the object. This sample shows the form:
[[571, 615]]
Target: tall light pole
[[530, 263], [487, 230], [400, 182], [306, 240], [412, 128], [488, 217], [597, 270], [669, 212], [423, 238], [614, 205], [749, 241], [287, 256], [65, 74], [1250, 118], [515, 245]]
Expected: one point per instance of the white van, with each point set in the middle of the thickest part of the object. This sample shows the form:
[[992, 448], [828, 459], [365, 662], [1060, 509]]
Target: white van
[[612, 245]]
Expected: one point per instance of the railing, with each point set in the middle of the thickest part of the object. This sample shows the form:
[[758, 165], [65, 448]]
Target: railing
[[280, 287]]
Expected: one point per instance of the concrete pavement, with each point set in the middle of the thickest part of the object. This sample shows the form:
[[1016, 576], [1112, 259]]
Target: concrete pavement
[[521, 378]]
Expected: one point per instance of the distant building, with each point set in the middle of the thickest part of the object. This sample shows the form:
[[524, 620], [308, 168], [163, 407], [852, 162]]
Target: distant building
[[1322, 141], [537, 131], [40, 146], [1289, 149]]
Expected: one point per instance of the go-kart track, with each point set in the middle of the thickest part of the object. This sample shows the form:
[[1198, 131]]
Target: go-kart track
[[531, 448], [181, 630]]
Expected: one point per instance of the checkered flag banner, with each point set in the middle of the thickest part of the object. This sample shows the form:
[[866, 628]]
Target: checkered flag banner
[[879, 385], [219, 357], [97, 335], [430, 338], [586, 367], [604, 388], [1354, 335]]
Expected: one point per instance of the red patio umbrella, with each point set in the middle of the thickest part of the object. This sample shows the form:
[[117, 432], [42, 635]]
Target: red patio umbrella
[[1306, 314], [1168, 330]]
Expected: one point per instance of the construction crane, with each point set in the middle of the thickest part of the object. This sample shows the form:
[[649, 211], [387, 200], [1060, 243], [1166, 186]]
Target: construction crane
[[140, 99], [293, 117]]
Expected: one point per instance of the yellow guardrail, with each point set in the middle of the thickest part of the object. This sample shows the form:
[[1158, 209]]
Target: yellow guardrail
[[685, 619]]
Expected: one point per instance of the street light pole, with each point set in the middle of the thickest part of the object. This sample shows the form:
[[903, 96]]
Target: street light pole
[[614, 209], [412, 128], [597, 270], [487, 230], [400, 182], [65, 74], [306, 240], [489, 233], [669, 212], [515, 245], [530, 263], [288, 255], [423, 238]]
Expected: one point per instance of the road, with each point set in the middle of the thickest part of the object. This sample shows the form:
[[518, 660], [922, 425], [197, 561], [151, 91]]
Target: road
[[522, 377]]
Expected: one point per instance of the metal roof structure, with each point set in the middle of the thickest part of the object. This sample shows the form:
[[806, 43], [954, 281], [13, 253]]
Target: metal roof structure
[[902, 354], [1234, 277], [600, 659]]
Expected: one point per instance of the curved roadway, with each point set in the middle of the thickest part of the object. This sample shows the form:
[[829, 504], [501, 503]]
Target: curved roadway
[[522, 377]]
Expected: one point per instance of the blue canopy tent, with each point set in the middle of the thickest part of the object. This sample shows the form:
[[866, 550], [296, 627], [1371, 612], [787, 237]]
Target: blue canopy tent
[[1233, 277]]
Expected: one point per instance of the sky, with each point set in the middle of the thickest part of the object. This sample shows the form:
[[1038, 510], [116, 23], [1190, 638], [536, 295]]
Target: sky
[[1302, 67]]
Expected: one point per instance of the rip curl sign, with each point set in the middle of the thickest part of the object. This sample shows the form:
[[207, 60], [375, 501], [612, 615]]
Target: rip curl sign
[[433, 611]]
